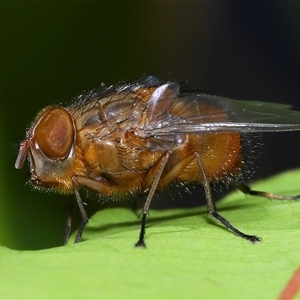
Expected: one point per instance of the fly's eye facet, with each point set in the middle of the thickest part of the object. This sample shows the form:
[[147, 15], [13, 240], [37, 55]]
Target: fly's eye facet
[[54, 133]]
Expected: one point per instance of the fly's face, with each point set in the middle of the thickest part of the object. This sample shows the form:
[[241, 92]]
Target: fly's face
[[50, 145]]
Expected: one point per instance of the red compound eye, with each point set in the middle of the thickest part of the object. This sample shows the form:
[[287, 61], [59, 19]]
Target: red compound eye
[[54, 133]]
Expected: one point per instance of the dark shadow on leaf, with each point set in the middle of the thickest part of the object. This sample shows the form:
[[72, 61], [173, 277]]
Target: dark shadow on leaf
[[152, 221]]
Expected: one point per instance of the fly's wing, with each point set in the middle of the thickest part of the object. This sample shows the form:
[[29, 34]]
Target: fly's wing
[[202, 113]]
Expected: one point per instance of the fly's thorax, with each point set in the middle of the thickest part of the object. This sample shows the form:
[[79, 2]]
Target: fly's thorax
[[114, 108], [107, 133], [51, 145], [100, 157], [114, 150]]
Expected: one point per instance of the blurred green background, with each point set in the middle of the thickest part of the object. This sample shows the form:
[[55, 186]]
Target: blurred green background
[[52, 51]]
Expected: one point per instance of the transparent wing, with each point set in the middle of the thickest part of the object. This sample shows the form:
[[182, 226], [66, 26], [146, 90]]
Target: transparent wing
[[200, 113]]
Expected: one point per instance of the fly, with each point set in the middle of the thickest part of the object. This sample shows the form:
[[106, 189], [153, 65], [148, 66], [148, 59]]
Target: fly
[[143, 136]]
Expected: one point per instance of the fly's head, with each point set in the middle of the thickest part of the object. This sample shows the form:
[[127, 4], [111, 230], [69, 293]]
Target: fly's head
[[50, 146]]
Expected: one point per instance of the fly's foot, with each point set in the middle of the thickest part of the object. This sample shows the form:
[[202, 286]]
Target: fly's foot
[[253, 239], [140, 244]]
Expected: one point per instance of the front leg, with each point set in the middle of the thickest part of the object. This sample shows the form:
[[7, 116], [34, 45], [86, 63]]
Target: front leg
[[101, 186], [69, 208]]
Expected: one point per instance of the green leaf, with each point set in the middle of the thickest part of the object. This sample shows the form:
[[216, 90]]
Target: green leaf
[[188, 254]]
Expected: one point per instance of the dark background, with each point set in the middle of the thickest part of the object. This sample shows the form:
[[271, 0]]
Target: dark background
[[51, 52]]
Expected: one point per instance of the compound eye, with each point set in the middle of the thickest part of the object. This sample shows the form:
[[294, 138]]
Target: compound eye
[[54, 133]]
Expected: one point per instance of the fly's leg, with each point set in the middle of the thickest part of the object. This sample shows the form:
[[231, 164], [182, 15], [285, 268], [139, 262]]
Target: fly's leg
[[68, 227], [144, 213], [100, 185], [248, 191], [84, 216], [161, 181], [141, 242], [212, 210]]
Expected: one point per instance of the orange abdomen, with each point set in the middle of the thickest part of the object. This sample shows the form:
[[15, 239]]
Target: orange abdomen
[[220, 154]]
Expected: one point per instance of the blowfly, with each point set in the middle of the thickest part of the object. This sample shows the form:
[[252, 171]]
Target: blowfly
[[143, 136]]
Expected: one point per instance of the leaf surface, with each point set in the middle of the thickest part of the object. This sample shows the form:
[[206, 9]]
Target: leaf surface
[[188, 255]]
